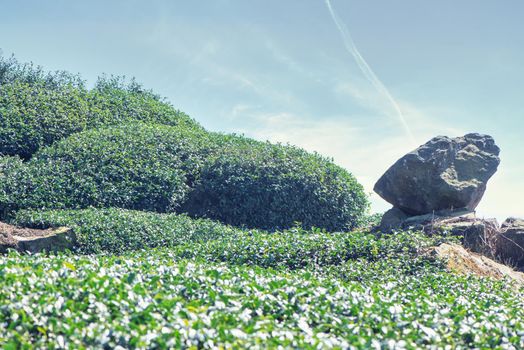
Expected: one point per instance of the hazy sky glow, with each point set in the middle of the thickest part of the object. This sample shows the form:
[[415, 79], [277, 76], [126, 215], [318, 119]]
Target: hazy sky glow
[[279, 70]]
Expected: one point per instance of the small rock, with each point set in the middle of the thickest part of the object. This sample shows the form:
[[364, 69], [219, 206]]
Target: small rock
[[510, 244], [392, 219], [33, 240], [477, 235], [442, 174]]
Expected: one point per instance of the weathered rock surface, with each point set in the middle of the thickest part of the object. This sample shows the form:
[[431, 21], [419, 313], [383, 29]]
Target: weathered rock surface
[[442, 174], [33, 241], [462, 261], [510, 243], [392, 219]]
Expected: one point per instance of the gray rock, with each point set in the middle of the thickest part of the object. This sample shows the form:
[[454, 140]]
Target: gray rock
[[392, 219], [33, 240], [510, 244], [436, 218], [442, 174], [477, 235]]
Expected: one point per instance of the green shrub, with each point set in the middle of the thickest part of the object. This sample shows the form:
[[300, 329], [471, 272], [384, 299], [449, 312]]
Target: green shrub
[[162, 168], [262, 185], [114, 101], [37, 109], [32, 115], [11, 70], [135, 166], [118, 230]]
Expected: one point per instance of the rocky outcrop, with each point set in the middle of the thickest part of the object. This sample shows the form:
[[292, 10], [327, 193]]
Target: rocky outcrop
[[477, 235], [510, 243], [462, 261], [445, 173], [34, 241]]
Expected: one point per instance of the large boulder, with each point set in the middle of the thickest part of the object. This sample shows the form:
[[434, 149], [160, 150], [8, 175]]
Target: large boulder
[[510, 243], [445, 173]]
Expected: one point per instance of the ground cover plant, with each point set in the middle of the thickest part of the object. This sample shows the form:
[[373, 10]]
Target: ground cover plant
[[150, 299], [117, 231]]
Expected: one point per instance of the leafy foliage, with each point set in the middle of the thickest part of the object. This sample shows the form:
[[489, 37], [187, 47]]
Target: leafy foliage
[[136, 166], [213, 285], [13, 71], [268, 186], [232, 179], [177, 168], [117, 230], [150, 299]]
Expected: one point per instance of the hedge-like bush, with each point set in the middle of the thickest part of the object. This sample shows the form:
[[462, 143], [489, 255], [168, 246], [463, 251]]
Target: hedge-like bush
[[262, 185], [11, 70], [161, 168], [117, 230], [37, 109], [137, 166]]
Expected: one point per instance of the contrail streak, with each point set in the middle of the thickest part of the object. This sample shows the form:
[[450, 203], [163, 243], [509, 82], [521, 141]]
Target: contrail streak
[[366, 69]]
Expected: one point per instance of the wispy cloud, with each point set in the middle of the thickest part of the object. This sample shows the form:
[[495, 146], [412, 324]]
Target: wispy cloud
[[366, 69]]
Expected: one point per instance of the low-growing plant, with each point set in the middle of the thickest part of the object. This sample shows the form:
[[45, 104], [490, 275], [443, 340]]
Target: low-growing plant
[[149, 299], [117, 230]]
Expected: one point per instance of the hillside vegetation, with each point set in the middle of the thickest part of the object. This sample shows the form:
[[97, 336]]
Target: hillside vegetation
[[120, 145], [186, 238]]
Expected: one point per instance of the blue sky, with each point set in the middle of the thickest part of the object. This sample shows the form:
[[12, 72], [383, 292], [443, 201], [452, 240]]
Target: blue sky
[[279, 70]]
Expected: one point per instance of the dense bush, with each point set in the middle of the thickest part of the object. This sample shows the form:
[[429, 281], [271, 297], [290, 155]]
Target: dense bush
[[134, 166], [11, 70], [269, 186], [32, 115], [177, 168], [37, 108]]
